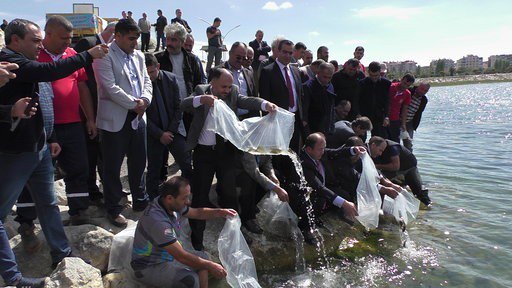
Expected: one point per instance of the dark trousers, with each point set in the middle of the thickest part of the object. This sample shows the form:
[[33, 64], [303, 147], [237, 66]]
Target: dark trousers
[[73, 161], [94, 157], [115, 146], [8, 267], [213, 53], [216, 160], [155, 160], [144, 39], [410, 130], [394, 130], [378, 129], [160, 37], [412, 178], [299, 135], [250, 194]]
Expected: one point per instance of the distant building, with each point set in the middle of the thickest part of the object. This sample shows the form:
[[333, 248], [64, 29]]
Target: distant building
[[494, 58], [470, 62], [399, 68], [446, 65]]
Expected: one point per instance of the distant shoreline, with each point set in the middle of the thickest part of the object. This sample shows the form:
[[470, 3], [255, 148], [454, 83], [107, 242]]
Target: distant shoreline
[[468, 79]]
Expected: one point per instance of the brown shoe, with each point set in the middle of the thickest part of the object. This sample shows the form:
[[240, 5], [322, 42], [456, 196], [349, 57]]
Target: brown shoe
[[118, 220], [80, 219], [31, 244]]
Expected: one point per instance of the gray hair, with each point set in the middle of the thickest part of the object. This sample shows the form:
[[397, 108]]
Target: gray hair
[[111, 25], [249, 48], [176, 29], [189, 35], [276, 42]]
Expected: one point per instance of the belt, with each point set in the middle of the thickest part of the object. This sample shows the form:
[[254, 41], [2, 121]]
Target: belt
[[206, 147]]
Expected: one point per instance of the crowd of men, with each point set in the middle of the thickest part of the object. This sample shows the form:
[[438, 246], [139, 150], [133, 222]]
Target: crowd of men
[[90, 107]]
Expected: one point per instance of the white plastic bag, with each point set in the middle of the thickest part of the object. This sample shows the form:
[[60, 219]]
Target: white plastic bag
[[270, 134], [404, 207], [368, 197], [121, 250], [404, 135], [236, 257], [277, 217]]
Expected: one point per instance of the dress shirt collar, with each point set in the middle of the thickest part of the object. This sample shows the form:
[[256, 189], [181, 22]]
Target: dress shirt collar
[[281, 65]]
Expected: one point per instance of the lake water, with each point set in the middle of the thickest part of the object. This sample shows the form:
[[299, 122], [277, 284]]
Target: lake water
[[464, 150]]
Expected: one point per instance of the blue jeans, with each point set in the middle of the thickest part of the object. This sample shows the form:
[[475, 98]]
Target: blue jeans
[[8, 266], [160, 37], [34, 169]]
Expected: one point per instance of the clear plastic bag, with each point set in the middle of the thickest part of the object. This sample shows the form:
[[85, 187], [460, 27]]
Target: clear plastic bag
[[277, 217], [368, 197], [236, 257], [270, 134], [121, 250], [404, 135], [404, 207]]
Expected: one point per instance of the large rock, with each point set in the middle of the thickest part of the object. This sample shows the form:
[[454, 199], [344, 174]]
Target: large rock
[[92, 243], [60, 192], [73, 272]]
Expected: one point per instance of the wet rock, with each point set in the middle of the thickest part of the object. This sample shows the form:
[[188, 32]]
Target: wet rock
[[73, 272]]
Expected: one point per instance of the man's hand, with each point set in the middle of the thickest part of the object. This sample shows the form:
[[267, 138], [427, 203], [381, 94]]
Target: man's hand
[[92, 131], [271, 107], [225, 213], [389, 191], [5, 72], [281, 193], [141, 106], [386, 122], [208, 100], [18, 109], [55, 149], [359, 150], [217, 270], [98, 51], [274, 179], [166, 138], [350, 210]]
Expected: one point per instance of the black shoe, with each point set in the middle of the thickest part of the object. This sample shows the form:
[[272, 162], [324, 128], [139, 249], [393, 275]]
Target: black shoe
[[252, 226], [139, 206], [198, 246], [71, 254], [30, 283], [310, 238]]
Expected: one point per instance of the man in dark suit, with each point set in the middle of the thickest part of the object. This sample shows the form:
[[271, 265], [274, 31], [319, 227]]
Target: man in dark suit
[[212, 154], [343, 130], [346, 85], [242, 77], [267, 61], [163, 117], [93, 145], [374, 100], [280, 83], [319, 101], [318, 175], [260, 48]]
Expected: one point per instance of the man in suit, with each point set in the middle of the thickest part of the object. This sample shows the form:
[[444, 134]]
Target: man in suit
[[280, 83], [374, 100], [164, 116], [319, 176], [343, 130], [212, 154], [181, 21], [260, 48], [242, 77], [25, 149], [124, 91], [94, 155], [319, 100], [346, 85], [267, 61]]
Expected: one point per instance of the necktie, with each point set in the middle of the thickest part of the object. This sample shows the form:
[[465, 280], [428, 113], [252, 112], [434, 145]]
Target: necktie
[[161, 106], [320, 169], [290, 89]]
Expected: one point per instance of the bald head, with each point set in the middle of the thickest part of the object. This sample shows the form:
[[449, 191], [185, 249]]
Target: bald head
[[221, 82]]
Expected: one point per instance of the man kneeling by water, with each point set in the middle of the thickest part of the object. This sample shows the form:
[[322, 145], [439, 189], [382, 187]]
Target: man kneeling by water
[[158, 257]]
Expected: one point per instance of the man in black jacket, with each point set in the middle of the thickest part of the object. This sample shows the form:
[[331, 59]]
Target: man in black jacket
[[24, 152], [160, 24], [163, 117], [374, 100], [181, 21], [346, 85], [416, 107], [260, 48]]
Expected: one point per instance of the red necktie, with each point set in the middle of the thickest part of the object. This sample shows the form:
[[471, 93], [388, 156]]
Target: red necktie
[[290, 90]]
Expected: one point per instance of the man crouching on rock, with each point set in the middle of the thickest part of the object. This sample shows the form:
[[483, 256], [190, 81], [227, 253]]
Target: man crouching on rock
[[158, 258]]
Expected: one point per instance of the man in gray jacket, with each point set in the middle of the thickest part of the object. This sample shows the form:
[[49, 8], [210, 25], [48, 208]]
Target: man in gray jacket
[[212, 154]]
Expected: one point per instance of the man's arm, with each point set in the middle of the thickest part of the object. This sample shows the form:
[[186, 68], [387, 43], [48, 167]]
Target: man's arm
[[208, 213], [181, 255], [316, 184], [104, 74], [210, 34], [251, 168], [403, 116], [147, 89], [392, 166], [87, 107]]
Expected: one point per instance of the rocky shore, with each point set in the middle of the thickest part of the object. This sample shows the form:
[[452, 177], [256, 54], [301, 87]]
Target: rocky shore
[[467, 79]]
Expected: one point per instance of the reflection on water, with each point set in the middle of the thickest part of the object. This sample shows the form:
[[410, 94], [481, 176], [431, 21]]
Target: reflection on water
[[464, 149]]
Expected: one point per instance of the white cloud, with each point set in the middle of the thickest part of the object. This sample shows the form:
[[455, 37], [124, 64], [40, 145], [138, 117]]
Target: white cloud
[[314, 33], [272, 6], [353, 42], [398, 13]]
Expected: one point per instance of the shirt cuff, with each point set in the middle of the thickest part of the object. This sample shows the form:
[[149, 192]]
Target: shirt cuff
[[196, 101], [338, 201], [264, 105], [379, 186]]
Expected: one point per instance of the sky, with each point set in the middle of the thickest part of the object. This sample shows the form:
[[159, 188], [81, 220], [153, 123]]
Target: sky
[[388, 30]]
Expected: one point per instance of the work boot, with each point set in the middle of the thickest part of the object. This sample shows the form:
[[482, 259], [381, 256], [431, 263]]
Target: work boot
[[25, 282], [31, 244], [81, 218]]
